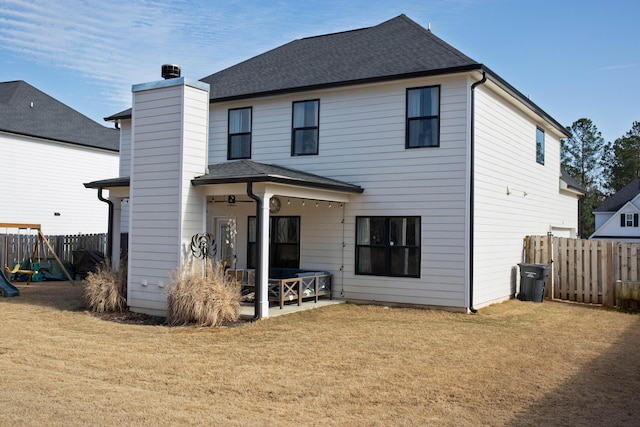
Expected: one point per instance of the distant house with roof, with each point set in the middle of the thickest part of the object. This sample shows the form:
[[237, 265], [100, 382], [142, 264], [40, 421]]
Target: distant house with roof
[[383, 156], [617, 217], [48, 149]]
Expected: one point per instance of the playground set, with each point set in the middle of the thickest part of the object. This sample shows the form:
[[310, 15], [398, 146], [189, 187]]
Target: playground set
[[30, 270]]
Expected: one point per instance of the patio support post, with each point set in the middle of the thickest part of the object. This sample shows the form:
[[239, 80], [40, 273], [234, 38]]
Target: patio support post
[[263, 263]]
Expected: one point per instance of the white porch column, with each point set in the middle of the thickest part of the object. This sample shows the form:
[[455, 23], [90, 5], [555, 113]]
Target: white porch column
[[264, 262]]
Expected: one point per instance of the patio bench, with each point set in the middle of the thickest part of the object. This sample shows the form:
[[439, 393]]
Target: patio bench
[[305, 284]]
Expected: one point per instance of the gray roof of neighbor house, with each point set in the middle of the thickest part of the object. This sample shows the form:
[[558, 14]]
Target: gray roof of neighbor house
[[620, 198], [25, 110], [395, 49]]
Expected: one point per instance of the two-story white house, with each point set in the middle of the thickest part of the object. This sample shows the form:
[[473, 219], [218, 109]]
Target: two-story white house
[[48, 149], [382, 155], [617, 216]]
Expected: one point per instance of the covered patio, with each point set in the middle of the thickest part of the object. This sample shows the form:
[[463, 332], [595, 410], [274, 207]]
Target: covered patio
[[259, 217], [294, 221]]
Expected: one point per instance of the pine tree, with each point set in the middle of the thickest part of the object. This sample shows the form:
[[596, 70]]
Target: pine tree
[[581, 158], [623, 159]]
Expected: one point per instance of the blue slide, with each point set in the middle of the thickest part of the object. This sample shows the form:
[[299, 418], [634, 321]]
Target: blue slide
[[6, 288]]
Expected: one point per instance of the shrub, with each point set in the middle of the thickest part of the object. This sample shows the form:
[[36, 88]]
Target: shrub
[[106, 290], [202, 298]]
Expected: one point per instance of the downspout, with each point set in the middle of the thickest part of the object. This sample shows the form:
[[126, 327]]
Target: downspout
[[257, 310], [109, 225], [471, 188]]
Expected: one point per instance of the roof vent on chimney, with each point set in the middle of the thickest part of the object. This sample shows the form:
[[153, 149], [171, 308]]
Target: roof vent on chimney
[[170, 71]]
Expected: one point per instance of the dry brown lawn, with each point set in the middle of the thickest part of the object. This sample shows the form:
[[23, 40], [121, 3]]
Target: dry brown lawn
[[512, 364]]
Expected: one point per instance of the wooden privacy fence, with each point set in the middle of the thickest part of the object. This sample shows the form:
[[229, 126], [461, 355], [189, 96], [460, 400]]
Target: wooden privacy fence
[[584, 270], [19, 247]]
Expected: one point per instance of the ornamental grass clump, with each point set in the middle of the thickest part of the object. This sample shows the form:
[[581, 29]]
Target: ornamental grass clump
[[203, 296], [106, 290]]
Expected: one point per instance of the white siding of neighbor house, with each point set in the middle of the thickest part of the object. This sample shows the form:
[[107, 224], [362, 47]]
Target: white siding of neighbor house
[[169, 147], [362, 141], [514, 195], [39, 178], [125, 148]]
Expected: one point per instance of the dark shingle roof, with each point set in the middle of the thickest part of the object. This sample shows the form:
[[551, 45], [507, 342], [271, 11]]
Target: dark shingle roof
[[26, 110], [395, 48], [250, 171], [618, 200], [571, 183]]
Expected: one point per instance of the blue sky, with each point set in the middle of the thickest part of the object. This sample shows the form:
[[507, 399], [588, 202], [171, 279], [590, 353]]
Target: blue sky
[[573, 58]]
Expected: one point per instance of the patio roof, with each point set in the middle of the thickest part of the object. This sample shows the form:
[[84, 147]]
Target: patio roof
[[243, 171], [249, 171]]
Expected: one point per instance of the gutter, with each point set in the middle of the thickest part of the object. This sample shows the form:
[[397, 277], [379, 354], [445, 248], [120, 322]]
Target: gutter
[[471, 187], [110, 224], [257, 307]]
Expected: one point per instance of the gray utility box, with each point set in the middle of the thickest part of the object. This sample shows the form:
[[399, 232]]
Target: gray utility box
[[532, 279]]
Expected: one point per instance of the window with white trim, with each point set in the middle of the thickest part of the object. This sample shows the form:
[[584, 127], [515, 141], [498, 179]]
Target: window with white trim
[[629, 220]]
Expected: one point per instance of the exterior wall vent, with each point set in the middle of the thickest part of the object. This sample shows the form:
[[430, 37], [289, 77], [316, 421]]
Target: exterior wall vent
[[170, 71]]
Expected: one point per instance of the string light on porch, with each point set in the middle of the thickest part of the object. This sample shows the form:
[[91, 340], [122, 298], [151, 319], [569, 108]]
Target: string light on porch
[[316, 203]]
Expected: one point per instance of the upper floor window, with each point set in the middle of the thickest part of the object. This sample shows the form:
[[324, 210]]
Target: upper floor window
[[423, 117], [629, 220], [239, 145], [388, 246], [306, 117], [540, 146]]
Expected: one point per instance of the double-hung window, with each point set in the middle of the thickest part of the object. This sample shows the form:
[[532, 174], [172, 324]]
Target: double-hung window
[[284, 244], [540, 146], [423, 117], [306, 118], [629, 220], [239, 144], [388, 246]]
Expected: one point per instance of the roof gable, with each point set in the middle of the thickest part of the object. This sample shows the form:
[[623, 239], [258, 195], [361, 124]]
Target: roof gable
[[619, 199], [25, 110]]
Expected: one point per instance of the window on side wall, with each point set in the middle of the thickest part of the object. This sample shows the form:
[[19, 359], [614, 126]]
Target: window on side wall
[[388, 246], [239, 145], [540, 146], [305, 129], [423, 117], [629, 220]]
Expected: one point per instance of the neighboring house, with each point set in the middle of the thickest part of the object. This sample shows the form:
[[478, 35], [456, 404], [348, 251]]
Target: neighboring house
[[48, 150], [617, 217], [382, 155]]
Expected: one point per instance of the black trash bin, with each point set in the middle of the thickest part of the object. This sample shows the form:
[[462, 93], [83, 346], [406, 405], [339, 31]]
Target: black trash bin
[[532, 279]]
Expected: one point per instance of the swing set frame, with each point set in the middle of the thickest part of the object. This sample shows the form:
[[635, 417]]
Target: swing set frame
[[41, 237]]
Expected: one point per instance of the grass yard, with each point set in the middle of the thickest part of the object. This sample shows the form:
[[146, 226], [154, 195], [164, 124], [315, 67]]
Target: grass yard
[[512, 364]]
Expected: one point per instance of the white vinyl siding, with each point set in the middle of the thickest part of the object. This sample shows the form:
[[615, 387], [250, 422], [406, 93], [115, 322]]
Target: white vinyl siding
[[362, 142], [40, 177], [514, 195], [169, 148]]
